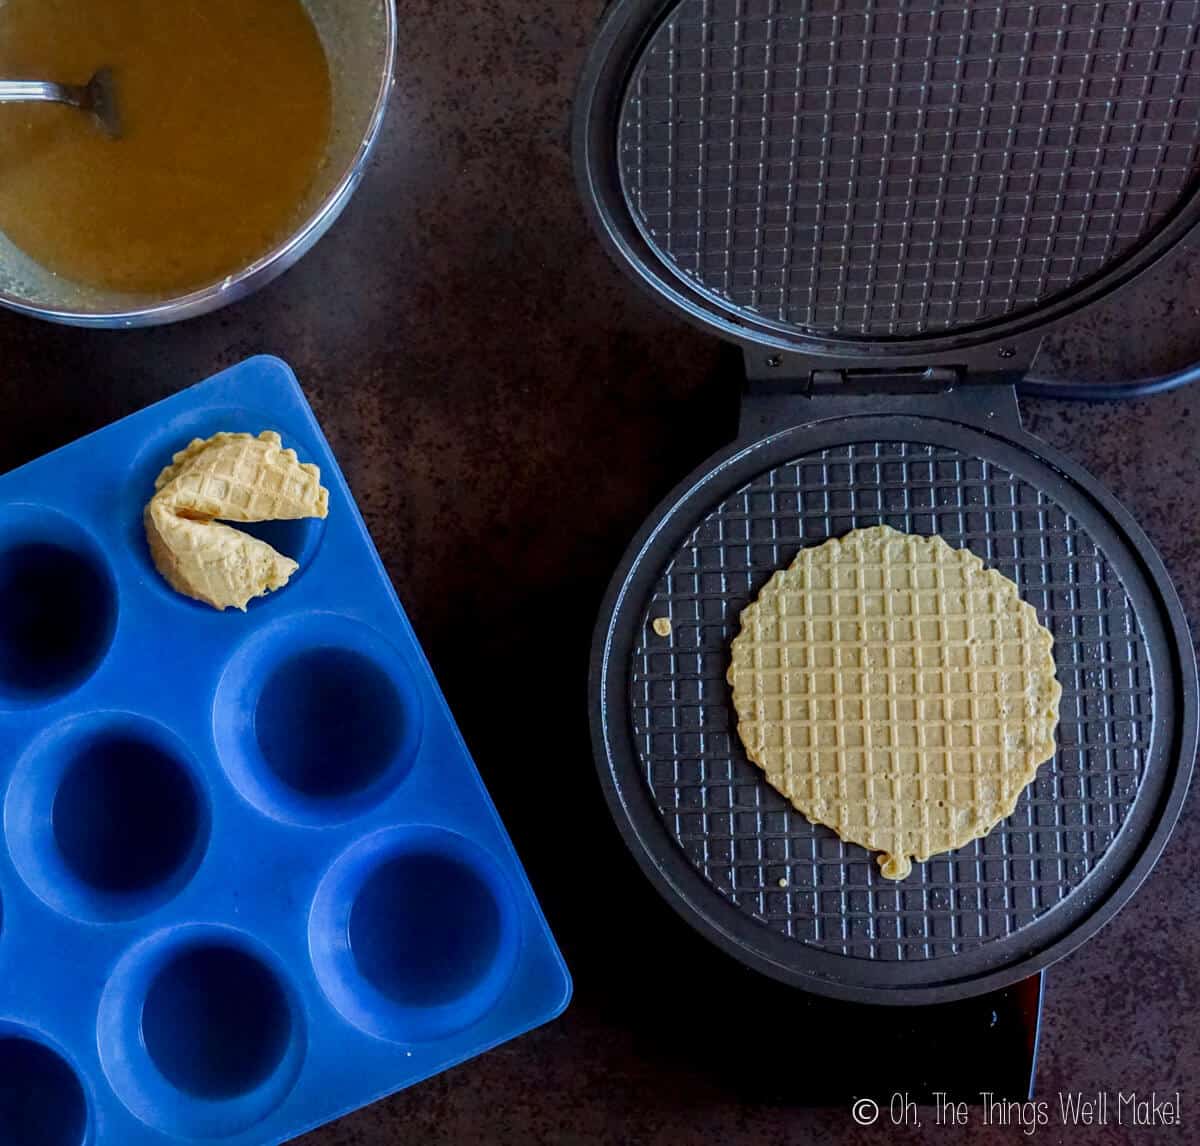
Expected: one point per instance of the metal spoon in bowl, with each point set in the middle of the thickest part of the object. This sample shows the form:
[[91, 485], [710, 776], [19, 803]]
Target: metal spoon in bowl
[[98, 97]]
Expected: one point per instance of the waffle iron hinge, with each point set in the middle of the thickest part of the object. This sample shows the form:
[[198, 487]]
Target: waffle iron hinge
[[919, 380], [785, 389]]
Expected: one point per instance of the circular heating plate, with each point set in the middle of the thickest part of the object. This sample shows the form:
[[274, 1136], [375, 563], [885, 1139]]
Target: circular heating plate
[[789, 896], [892, 169]]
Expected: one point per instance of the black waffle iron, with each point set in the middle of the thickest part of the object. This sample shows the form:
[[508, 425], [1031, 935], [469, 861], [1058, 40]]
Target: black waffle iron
[[886, 204]]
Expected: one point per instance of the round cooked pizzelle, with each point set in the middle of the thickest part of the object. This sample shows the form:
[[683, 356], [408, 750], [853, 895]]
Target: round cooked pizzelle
[[895, 689]]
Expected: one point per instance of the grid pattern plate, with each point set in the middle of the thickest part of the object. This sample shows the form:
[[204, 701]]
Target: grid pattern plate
[[895, 167], [799, 878]]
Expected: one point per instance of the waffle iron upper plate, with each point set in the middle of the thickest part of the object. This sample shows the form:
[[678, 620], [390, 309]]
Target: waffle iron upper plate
[[875, 176]]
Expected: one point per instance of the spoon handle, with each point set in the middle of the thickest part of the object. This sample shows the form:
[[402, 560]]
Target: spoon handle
[[35, 91]]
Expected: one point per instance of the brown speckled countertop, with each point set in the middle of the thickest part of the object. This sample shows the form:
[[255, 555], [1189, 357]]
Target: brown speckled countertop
[[508, 408]]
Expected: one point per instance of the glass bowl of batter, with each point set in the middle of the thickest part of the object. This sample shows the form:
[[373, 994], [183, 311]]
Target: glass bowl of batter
[[245, 129]]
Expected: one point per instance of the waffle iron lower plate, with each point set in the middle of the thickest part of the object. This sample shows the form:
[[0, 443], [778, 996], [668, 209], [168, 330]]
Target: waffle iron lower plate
[[718, 841]]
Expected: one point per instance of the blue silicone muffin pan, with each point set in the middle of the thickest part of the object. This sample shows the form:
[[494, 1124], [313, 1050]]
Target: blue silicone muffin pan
[[250, 879]]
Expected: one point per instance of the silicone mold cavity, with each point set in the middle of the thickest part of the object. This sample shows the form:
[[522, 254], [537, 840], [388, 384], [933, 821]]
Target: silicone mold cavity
[[304, 709], [317, 718], [42, 1102], [106, 816], [58, 605], [413, 934], [200, 1031], [215, 1022]]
